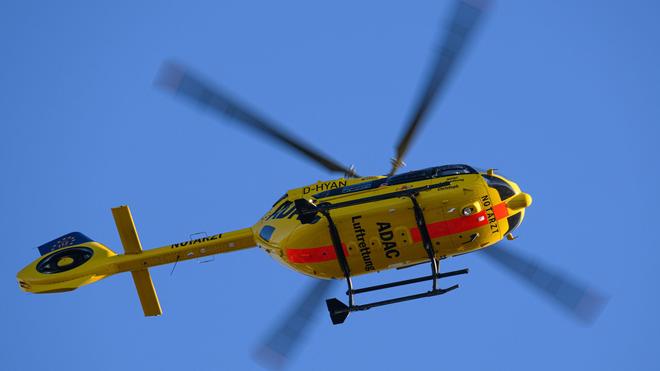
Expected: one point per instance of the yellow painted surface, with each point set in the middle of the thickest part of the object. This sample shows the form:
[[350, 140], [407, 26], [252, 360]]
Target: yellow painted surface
[[365, 229], [376, 236], [146, 293], [126, 229]]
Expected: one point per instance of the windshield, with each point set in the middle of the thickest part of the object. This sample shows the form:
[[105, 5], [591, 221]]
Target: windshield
[[502, 187], [513, 221]]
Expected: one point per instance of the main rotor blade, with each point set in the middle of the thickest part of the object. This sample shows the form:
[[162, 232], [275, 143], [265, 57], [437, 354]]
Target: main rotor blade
[[464, 21], [183, 82], [277, 348], [582, 302]]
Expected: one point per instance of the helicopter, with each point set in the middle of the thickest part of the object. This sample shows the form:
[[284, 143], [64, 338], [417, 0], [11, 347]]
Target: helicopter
[[336, 229]]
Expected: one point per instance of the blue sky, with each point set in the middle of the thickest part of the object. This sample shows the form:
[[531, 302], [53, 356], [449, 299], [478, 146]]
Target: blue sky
[[561, 96]]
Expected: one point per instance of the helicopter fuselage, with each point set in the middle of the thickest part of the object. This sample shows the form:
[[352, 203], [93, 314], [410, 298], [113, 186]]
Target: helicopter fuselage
[[463, 213]]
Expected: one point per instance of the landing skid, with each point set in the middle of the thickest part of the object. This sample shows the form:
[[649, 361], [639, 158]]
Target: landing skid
[[338, 310]]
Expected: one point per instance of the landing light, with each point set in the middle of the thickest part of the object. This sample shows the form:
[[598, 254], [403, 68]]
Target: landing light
[[467, 211]]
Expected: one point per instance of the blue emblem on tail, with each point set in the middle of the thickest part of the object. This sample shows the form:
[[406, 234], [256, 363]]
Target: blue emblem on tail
[[73, 238]]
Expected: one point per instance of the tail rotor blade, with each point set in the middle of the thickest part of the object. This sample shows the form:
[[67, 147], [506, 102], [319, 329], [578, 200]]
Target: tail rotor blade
[[464, 21], [178, 79], [278, 347], [582, 302]]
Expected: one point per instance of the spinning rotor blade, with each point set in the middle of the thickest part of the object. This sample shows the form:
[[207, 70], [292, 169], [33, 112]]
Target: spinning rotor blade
[[464, 21], [276, 349], [181, 81], [580, 301]]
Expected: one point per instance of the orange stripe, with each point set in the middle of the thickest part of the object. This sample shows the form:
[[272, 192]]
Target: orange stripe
[[501, 211]]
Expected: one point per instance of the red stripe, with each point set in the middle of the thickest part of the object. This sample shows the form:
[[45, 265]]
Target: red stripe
[[313, 254], [460, 224], [437, 229]]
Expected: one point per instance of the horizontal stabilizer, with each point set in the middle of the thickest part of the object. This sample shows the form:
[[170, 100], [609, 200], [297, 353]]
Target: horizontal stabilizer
[[126, 228], [141, 277], [147, 293]]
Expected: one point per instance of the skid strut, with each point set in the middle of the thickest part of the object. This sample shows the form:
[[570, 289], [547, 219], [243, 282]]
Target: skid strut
[[426, 238], [338, 310], [341, 257]]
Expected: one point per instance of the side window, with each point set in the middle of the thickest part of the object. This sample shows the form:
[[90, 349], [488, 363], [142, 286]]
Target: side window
[[449, 170], [502, 187], [266, 232], [412, 176]]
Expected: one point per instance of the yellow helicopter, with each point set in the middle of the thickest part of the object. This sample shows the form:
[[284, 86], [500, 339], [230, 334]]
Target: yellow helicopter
[[335, 229]]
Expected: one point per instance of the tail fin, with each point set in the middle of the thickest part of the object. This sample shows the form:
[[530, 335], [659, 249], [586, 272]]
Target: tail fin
[[75, 260]]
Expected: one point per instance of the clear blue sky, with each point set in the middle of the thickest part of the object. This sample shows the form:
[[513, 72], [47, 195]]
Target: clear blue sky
[[562, 96]]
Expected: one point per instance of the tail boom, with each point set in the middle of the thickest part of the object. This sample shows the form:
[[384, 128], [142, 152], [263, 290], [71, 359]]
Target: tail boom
[[216, 244]]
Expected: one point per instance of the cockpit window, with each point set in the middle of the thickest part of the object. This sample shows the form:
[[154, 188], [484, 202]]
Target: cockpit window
[[502, 187], [280, 199], [513, 221]]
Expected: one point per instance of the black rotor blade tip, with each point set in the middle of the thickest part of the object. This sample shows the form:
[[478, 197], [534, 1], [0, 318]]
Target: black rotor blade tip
[[478, 4], [590, 306], [170, 76], [270, 358]]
